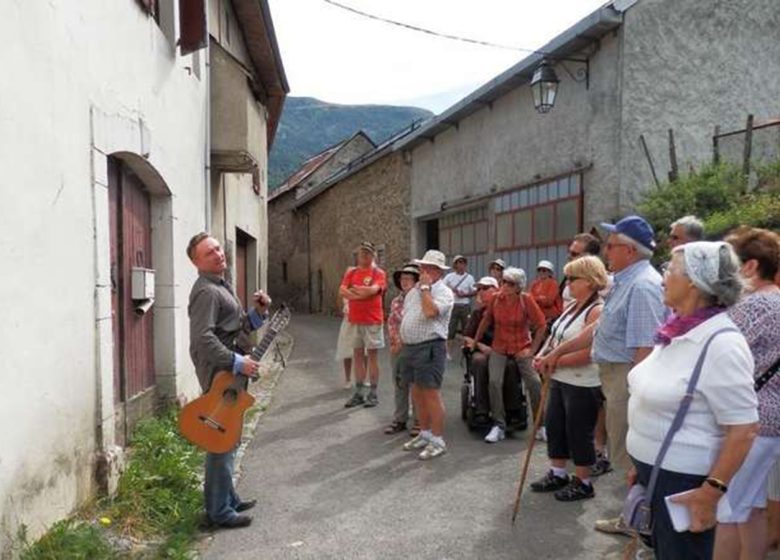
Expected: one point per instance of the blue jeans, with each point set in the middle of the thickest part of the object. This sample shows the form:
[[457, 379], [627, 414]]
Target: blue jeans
[[667, 543], [220, 495]]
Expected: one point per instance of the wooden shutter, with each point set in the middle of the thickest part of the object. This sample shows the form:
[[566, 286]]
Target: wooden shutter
[[192, 25]]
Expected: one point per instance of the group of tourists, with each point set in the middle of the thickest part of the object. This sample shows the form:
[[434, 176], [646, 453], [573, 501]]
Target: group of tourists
[[618, 345]]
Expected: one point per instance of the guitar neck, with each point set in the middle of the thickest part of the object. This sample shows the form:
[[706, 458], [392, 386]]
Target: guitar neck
[[262, 347]]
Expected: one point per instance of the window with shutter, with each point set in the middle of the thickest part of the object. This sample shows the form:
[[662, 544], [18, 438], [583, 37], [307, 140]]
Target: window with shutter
[[193, 34]]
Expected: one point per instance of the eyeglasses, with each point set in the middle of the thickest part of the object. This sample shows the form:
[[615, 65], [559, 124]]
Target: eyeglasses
[[571, 279]]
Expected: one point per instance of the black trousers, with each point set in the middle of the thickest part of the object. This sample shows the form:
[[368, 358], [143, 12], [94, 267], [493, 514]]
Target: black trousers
[[570, 420]]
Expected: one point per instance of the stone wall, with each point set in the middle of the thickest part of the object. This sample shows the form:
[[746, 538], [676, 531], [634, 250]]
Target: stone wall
[[372, 205], [287, 239]]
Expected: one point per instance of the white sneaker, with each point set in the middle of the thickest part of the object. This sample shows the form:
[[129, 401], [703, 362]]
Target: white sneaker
[[495, 435], [541, 435], [417, 443], [431, 451]]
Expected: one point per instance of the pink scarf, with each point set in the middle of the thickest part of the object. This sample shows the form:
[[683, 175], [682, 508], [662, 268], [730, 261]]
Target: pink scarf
[[677, 326]]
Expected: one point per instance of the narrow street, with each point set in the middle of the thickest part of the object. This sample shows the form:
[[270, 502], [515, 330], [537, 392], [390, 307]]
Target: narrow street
[[330, 484]]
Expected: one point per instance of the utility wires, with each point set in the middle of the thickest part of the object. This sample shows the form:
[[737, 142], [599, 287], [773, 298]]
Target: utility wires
[[427, 31]]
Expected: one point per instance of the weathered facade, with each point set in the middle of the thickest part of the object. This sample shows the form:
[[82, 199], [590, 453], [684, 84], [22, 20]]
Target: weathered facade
[[288, 272], [492, 177], [370, 204], [248, 87], [106, 165]]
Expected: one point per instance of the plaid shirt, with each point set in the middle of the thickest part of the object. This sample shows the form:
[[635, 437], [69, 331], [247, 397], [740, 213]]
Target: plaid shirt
[[415, 326], [633, 311], [511, 315], [394, 319]]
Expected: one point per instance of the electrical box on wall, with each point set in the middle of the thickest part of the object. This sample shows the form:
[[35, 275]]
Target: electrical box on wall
[[142, 283]]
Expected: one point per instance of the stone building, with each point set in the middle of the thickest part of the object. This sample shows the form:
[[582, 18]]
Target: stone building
[[491, 176], [109, 124], [288, 272]]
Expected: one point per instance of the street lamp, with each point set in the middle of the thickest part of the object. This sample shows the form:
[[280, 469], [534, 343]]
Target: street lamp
[[544, 83], [544, 86]]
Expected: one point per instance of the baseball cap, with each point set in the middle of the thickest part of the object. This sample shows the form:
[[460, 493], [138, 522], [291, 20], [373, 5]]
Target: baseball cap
[[636, 228]]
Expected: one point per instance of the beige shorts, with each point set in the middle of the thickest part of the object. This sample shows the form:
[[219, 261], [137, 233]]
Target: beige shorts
[[370, 337]]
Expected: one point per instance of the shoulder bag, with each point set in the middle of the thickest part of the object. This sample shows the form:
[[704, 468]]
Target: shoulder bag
[[637, 514]]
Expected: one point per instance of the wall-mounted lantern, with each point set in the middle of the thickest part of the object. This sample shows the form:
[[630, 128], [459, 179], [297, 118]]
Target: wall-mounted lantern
[[544, 82]]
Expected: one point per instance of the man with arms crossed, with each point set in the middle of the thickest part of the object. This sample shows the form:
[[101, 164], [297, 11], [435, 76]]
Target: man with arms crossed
[[363, 287], [219, 341]]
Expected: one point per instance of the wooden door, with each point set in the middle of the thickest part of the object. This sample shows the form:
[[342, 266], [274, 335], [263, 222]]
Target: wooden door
[[131, 246], [242, 251]]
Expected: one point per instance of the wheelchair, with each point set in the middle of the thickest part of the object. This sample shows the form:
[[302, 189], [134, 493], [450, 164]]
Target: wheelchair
[[475, 399]]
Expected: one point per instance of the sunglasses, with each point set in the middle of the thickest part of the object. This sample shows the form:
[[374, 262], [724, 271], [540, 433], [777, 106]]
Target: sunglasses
[[482, 288], [575, 254], [509, 282]]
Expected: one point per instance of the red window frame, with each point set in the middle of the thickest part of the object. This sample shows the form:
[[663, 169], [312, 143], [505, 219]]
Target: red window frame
[[555, 241]]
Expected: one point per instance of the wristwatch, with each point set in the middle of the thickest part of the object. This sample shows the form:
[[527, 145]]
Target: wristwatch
[[425, 287]]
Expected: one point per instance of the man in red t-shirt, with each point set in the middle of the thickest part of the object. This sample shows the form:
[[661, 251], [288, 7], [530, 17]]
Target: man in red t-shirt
[[363, 287]]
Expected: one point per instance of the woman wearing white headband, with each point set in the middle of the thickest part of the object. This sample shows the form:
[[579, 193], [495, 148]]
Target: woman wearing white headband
[[715, 435]]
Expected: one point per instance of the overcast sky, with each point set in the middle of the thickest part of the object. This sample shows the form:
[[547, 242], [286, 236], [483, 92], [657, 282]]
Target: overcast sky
[[341, 57]]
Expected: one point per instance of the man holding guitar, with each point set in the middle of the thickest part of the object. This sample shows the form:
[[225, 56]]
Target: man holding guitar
[[219, 330]]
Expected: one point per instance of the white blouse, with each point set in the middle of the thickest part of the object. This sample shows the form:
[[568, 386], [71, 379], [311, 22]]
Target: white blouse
[[724, 396]]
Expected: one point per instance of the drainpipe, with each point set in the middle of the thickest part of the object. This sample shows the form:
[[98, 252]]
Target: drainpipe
[[207, 170], [308, 263]]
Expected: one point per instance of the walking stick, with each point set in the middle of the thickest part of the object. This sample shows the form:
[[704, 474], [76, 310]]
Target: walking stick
[[529, 452]]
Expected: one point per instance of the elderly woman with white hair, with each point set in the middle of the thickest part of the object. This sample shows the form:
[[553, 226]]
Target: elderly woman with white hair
[[695, 451], [513, 314]]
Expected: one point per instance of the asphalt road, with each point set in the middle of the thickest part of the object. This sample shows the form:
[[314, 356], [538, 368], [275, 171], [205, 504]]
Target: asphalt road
[[330, 484]]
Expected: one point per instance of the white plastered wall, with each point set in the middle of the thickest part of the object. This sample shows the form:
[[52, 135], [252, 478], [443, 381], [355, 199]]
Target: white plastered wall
[[87, 80]]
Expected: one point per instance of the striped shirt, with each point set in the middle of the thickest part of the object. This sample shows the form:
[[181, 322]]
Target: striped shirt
[[633, 311]]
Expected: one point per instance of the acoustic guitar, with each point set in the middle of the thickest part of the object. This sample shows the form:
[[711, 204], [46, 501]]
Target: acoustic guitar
[[213, 421]]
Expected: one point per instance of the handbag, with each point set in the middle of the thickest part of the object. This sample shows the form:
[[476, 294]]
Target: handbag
[[637, 514]]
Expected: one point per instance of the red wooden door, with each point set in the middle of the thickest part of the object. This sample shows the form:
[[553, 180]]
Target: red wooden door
[[131, 246]]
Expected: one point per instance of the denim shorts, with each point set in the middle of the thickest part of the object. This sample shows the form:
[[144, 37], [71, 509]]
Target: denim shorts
[[424, 363]]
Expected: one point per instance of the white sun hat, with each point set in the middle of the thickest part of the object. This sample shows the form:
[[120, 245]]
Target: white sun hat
[[433, 258], [488, 281], [547, 265]]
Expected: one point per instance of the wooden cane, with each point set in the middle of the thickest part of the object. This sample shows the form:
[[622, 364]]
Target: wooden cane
[[529, 452]]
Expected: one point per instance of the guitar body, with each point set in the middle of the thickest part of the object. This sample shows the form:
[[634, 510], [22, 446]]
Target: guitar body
[[214, 421]]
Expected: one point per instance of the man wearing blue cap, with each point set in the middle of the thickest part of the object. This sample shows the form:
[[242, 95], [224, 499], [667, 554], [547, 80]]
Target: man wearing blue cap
[[632, 313]]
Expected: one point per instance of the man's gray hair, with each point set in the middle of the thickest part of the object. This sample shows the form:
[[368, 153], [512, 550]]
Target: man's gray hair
[[693, 227], [644, 252]]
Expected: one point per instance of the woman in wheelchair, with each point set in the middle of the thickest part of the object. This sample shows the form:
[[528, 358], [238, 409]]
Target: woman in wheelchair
[[574, 395]]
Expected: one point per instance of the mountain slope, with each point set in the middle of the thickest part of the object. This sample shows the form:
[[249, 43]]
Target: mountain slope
[[309, 125]]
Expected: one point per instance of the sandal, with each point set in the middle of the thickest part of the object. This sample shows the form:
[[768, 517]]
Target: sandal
[[395, 428]]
